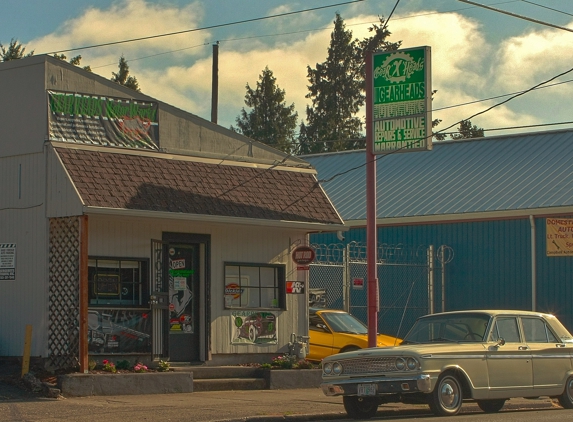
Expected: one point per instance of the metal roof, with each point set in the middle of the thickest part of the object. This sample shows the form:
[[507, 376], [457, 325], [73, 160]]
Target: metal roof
[[512, 173]]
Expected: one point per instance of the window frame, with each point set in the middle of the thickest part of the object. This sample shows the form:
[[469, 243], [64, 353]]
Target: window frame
[[103, 300], [279, 284]]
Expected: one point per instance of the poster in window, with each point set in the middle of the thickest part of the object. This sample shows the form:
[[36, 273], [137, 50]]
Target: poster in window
[[253, 327], [107, 284], [119, 331]]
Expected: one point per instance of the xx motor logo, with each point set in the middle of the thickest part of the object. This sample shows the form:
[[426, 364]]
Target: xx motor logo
[[398, 67]]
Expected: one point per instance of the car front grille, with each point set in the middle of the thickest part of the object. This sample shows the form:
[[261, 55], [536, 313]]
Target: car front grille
[[361, 366]]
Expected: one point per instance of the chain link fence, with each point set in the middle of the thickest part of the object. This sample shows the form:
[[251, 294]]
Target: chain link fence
[[406, 281]]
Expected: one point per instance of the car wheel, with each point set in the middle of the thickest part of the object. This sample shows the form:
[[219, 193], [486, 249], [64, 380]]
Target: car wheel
[[566, 398], [447, 397], [349, 349], [491, 406], [252, 333], [360, 407]]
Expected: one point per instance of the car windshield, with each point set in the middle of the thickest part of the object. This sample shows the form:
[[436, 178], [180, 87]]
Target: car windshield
[[342, 322], [462, 327]]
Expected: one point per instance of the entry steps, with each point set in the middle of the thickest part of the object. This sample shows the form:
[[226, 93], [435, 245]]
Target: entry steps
[[224, 378]]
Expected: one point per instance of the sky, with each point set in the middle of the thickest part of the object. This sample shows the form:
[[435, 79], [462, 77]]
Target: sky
[[477, 54]]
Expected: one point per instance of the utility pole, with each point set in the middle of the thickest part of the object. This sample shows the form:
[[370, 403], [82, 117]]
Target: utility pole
[[215, 84]]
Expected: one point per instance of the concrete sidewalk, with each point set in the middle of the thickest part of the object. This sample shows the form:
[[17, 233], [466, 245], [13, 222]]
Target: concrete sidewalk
[[307, 404]]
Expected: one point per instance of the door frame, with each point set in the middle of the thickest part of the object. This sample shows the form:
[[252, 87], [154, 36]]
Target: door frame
[[204, 243]]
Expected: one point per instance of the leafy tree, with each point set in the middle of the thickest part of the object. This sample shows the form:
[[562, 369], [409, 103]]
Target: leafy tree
[[466, 131], [270, 121], [123, 78], [14, 51], [337, 91], [74, 60]]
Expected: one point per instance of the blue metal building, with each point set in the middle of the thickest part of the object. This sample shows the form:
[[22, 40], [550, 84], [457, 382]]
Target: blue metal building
[[489, 199]]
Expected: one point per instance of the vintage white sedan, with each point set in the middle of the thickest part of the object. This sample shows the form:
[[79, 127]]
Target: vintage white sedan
[[446, 358]]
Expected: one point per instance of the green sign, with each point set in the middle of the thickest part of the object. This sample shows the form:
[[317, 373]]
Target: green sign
[[401, 111]]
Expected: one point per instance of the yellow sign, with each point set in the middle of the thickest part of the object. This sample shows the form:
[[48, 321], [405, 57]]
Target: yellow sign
[[559, 233]]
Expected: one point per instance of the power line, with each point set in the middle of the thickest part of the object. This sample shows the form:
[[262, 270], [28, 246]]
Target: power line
[[515, 15], [449, 127], [205, 27], [548, 8]]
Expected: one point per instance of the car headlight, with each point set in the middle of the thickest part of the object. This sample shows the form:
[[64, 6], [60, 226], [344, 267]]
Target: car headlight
[[337, 368], [327, 368], [400, 364], [412, 364]]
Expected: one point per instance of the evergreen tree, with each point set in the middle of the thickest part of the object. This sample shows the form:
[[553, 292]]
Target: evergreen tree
[[123, 78], [14, 51], [466, 131], [270, 120], [74, 60], [337, 91]]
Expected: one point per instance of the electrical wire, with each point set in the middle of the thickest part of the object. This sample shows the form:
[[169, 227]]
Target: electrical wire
[[548, 8], [204, 27], [379, 157], [515, 15]]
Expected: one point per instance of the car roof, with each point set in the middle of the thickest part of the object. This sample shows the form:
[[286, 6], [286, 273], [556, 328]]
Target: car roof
[[493, 312], [314, 310]]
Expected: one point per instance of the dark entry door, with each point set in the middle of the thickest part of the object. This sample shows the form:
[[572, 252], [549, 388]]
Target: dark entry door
[[183, 302]]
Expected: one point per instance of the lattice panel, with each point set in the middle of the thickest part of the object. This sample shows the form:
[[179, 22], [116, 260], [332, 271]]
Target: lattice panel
[[64, 267]]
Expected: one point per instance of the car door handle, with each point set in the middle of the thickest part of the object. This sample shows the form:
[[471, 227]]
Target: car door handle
[[560, 345], [522, 348]]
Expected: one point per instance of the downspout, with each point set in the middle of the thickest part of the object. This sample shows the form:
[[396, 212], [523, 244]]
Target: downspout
[[533, 265]]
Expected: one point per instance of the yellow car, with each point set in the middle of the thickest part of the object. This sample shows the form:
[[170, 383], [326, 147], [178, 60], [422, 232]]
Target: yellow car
[[334, 331]]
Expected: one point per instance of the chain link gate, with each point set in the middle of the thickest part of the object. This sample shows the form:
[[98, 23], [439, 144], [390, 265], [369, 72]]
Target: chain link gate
[[406, 281]]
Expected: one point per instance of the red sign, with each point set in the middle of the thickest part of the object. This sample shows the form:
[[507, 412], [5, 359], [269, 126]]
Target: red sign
[[358, 283], [303, 255], [294, 287]]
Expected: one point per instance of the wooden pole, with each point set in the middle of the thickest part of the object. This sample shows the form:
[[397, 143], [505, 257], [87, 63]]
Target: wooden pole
[[27, 349]]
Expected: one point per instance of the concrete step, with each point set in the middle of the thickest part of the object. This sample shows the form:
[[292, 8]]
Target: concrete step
[[223, 378]]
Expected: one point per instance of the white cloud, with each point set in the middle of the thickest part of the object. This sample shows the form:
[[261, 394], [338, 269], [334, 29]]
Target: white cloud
[[465, 67], [525, 60], [128, 19]]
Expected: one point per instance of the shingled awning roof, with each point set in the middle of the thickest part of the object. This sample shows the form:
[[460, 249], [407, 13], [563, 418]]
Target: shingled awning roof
[[152, 183]]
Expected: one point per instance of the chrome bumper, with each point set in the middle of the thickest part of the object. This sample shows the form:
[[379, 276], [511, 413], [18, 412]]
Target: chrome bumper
[[384, 385]]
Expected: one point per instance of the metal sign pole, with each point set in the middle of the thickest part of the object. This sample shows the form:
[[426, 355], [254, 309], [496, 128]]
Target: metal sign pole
[[371, 241]]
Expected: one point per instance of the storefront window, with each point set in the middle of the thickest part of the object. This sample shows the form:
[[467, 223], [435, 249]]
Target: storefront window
[[254, 286], [118, 282]]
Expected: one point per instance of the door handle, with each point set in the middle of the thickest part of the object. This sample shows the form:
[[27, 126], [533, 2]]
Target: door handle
[[522, 348]]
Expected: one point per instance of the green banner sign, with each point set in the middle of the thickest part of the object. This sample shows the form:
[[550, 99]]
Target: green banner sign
[[401, 111], [94, 120]]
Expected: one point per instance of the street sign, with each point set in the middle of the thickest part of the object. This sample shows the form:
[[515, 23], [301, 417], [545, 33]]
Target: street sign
[[402, 99]]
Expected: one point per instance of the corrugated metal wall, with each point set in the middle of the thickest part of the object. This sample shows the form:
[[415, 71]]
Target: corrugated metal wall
[[491, 267]]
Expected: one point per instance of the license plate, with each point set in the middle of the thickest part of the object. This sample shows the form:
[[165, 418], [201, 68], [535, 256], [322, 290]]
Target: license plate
[[366, 389]]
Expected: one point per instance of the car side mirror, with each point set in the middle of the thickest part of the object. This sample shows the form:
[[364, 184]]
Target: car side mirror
[[323, 327], [500, 342]]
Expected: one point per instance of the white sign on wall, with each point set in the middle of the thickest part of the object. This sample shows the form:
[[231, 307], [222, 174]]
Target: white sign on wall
[[7, 261]]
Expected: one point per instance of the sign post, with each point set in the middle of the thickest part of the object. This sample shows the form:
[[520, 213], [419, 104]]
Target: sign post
[[398, 119]]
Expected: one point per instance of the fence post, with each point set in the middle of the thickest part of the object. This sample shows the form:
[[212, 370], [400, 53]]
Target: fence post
[[443, 262], [346, 278], [431, 279]]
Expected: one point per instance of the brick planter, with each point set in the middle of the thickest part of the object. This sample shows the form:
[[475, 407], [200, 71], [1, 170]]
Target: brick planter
[[283, 379]]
